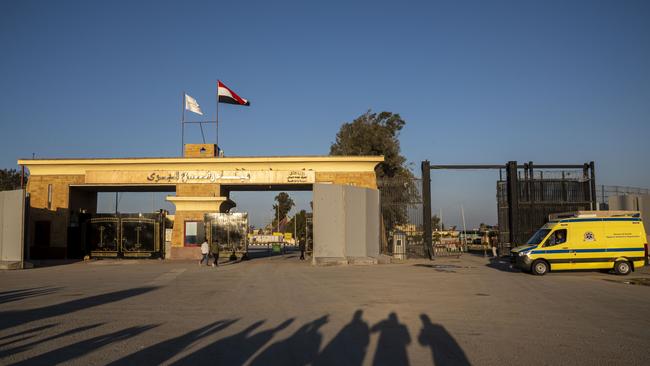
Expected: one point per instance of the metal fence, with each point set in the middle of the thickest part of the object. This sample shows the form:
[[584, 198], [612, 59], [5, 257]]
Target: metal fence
[[528, 193], [403, 223], [401, 214]]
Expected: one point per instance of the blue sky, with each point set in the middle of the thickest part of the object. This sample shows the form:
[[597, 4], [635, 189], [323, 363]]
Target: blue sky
[[476, 81]]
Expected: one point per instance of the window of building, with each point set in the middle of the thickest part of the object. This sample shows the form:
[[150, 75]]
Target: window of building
[[49, 196], [194, 233]]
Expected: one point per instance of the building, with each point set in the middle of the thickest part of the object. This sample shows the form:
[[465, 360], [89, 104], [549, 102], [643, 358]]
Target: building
[[63, 192]]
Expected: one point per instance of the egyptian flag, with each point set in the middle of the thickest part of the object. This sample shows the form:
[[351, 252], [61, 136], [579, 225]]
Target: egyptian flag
[[228, 96]]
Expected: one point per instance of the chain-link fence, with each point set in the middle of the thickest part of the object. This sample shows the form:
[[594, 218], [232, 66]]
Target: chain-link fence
[[403, 224], [603, 193]]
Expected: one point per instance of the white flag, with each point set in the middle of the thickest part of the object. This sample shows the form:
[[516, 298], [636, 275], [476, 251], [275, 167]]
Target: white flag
[[192, 105]]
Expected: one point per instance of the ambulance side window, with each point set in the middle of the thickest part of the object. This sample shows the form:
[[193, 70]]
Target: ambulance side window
[[556, 238]]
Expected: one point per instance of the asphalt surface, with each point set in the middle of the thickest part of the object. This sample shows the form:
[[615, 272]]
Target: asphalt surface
[[281, 311]]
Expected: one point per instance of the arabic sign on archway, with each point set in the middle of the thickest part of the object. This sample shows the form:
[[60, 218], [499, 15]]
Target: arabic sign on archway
[[202, 176]]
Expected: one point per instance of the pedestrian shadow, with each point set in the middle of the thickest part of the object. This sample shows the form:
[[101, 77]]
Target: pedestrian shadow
[[163, 351], [252, 345], [12, 318], [393, 339], [17, 295], [444, 348], [27, 346], [24, 332], [349, 345], [301, 348], [81, 348], [235, 349]]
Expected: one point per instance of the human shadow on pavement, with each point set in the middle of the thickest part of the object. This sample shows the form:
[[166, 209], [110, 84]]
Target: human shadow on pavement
[[16, 295], [234, 349], [393, 339], [444, 348], [12, 318], [163, 351], [301, 348], [349, 345], [27, 346], [25, 332], [81, 348], [253, 345]]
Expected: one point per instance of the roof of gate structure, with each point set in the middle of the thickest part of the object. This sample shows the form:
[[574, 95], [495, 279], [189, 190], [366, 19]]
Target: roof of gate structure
[[316, 163], [277, 172]]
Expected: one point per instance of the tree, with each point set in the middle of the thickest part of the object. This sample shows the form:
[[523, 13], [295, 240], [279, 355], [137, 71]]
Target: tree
[[10, 179], [378, 134], [282, 207], [435, 222], [374, 134], [300, 222]]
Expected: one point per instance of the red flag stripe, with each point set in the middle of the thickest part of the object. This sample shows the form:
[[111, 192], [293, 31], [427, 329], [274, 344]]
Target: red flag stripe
[[223, 90]]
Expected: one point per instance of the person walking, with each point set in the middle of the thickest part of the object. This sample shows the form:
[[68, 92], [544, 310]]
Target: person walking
[[301, 245], [214, 250], [205, 252]]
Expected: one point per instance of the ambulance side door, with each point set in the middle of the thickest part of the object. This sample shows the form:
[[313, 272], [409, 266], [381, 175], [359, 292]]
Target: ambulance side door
[[588, 248]]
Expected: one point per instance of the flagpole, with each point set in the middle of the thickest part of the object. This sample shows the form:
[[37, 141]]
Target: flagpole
[[183, 126], [217, 118], [202, 135]]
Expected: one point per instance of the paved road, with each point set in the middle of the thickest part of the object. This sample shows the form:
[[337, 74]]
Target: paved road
[[280, 311]]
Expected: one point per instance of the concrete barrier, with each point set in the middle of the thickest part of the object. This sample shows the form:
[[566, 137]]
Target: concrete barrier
[[346, 225], [11, 229]]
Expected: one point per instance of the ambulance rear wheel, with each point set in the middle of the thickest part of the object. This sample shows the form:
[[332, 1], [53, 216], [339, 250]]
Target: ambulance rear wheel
[[539, 267], [622, 268]]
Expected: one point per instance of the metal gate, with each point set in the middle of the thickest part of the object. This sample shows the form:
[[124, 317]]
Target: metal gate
[[524, 203], [228, 230], [538, 191], [125, 235]]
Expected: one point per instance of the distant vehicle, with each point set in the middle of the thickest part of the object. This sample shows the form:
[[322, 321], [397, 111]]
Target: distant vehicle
[[606, 240]]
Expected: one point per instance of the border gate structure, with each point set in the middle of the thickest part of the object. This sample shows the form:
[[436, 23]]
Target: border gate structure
[[524, 203]]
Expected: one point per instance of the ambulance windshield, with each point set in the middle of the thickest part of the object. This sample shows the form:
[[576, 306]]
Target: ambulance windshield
[[538, 236]]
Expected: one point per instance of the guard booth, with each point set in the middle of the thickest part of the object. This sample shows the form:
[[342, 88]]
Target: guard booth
[[126, 235], [228, 230]]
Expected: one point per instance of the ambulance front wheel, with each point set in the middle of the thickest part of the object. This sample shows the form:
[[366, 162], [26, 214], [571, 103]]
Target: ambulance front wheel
[[622, 268], [539, 267]]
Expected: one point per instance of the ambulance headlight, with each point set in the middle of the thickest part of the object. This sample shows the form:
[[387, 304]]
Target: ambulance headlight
[[521, 254]]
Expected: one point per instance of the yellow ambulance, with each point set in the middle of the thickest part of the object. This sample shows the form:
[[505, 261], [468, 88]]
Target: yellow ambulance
[[606, 240]]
